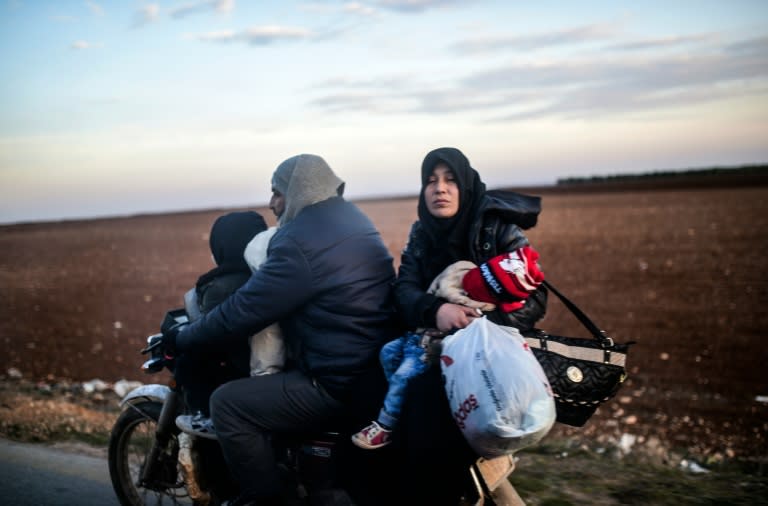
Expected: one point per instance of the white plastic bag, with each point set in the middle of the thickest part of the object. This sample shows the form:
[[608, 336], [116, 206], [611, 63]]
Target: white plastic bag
[[498, 392]]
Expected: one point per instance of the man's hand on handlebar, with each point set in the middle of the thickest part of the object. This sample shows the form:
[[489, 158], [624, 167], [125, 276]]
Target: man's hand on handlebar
[[169, 338]]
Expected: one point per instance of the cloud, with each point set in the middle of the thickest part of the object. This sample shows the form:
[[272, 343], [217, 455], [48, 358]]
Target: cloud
[[95, 8], [454, 100], [258, 35], [217, 36], [401, 94], [663, 42], [390, 94], [147, 14], [593, 88], [417, 5], [221, 6], [225, 6], [386, 83], [360, 102], [359, 9], [653, 73], [604, 101], [757, 46], [568, 88], [570, 36], [80, 44]]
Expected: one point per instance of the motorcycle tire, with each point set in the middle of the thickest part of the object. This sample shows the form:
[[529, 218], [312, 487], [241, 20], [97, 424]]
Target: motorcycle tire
[[130, 442]]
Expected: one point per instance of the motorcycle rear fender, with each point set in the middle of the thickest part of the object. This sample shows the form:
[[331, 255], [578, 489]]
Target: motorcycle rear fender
[[153, 392]]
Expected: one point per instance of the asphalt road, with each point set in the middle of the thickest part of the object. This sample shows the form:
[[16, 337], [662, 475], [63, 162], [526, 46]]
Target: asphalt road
[[40, 475]]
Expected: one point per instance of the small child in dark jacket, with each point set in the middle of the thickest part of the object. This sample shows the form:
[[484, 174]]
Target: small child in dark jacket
[[229, 236], [201, 373]]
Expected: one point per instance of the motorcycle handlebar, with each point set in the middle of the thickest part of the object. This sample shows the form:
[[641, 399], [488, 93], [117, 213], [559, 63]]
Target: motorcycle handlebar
[[153, 342]]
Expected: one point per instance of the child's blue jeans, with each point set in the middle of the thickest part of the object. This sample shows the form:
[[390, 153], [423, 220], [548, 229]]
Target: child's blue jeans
[[401, 359]]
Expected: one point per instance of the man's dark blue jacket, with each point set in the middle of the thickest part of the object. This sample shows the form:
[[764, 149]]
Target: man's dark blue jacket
[[327, 281]]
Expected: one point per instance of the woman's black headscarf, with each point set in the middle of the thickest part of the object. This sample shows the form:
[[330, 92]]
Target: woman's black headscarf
[[449, 237], [230, 234]]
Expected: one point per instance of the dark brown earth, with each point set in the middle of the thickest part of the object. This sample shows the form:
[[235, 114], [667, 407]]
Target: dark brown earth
[[681, 270]]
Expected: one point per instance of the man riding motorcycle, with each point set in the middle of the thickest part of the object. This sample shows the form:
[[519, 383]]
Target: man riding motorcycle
[[327, 281]]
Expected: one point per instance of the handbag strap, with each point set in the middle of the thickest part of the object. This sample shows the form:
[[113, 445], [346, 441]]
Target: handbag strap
[[600, 335]]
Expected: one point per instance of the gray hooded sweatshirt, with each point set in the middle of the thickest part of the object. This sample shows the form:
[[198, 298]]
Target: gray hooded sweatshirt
[[305, 180]]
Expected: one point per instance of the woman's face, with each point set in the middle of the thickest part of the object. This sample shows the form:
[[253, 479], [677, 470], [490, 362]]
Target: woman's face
[[441, 194]]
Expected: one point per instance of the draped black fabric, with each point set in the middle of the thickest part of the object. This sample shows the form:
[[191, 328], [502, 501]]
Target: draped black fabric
[[230, 234], [449, 237]]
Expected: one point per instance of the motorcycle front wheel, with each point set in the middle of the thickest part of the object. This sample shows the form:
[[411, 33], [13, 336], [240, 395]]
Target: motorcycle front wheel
[[130, 443]]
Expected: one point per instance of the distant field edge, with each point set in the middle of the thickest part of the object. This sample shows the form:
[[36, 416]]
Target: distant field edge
[[714, 181], [753, 175]]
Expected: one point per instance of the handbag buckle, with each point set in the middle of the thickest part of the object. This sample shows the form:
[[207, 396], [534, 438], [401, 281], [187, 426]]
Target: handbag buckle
[[606, 339]]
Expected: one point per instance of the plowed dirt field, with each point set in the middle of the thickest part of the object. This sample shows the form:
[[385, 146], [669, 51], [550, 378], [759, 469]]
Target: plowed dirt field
[[683, 271]]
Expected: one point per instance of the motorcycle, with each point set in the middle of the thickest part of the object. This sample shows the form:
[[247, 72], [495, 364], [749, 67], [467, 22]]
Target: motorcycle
[[152, 462]]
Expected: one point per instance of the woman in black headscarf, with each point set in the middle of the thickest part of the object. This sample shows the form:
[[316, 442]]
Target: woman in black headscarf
[[230, 234], [200, 373], [458, 220]]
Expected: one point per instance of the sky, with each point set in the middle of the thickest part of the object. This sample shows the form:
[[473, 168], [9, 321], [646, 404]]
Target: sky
[[114, 108]]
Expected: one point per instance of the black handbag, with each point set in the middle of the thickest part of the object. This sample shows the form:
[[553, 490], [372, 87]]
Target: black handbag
[[583, 373]]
